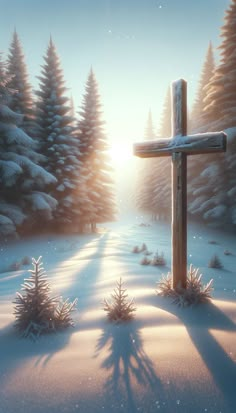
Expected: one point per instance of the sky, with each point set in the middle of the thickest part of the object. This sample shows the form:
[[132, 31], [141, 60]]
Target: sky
[[136, 48]]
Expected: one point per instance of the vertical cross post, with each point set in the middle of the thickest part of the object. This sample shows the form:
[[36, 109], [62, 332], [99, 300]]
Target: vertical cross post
[[178, 147], [179, 187]]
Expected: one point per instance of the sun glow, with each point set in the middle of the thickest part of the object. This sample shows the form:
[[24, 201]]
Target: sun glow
[[121, 153]]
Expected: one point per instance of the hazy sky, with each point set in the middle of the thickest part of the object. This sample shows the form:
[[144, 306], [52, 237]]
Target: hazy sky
[[136, 48]]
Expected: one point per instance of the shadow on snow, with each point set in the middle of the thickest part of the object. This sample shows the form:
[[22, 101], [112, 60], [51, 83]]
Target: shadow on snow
[[127, 364]]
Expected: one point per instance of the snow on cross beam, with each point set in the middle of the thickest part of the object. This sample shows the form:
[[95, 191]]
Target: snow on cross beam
[[178, 147], [191, 145]]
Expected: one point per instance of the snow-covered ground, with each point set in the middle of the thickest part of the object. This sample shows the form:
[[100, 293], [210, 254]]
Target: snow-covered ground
[[168, 359]]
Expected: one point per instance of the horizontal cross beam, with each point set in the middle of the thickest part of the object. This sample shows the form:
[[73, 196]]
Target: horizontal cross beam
[[191, 145]]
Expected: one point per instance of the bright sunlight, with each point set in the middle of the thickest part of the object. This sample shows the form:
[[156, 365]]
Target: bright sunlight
[[121, 153]]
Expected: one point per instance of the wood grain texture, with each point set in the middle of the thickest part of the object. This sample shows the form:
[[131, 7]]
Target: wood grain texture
[[179, 220], [179, 108], [191, 145], [179, 187]]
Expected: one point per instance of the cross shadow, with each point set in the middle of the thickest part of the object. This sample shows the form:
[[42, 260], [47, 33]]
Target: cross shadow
[[198, 322], [128, 364]]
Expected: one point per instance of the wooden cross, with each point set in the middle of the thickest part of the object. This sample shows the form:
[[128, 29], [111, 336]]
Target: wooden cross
[[178, 147]]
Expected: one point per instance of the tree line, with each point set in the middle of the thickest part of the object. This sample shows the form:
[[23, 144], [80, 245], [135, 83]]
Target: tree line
[[212, 177], [55, 171]]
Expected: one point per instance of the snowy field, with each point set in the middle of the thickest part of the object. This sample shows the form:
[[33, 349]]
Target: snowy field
[[168, 359]]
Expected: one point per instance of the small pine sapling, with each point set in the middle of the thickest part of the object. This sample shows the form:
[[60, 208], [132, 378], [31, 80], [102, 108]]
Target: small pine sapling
[[63, 312], [164, 286], [194, 293], [143, 248], [145, 261], [215, 262], [227, 252], [136, 250], [120, 308], [35, 311], [25, 260], [158, 259]]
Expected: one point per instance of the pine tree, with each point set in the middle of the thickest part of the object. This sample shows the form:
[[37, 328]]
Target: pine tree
[[72, 107], [143, 193], [220, 102], [2, 70], [119, 309], [165, 124], [196, 164], [215, 191], [94, 157], [58, 143], [22, 101], [198, 115], [36, 312], [230, 169], [215, 262], [161, 178], [149, 133], [23, 203], [220, 108]]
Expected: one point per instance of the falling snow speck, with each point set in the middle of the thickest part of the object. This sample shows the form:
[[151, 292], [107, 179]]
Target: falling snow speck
[[178, 402]]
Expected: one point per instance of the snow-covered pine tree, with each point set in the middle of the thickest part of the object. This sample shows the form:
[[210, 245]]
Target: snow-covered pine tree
[[36, 312], [149, 133], [197, 118], [220, 108], [22, 101], [230, 167], [198, 121], [215, 197], [165, 124], [23, 202], [220, 102], [161, 177], [3, 70], [94, 157], [72, 108], [119, 308], [58, 143], [143, 193]]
